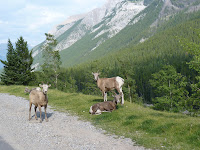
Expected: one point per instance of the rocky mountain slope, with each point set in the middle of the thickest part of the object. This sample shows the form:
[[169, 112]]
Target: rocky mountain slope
[[115, 25]]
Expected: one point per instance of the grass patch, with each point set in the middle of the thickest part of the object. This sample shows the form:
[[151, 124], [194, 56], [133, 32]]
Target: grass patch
[[149, 128]]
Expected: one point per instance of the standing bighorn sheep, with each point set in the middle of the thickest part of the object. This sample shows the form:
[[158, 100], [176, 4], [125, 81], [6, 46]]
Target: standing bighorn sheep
[[108, 84], [107, 106], [39, 99]]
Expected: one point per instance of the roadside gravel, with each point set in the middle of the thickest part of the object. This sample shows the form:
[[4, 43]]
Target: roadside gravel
[[62, 132]]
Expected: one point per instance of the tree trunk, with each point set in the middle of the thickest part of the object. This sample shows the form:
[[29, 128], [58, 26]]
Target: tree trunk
[[129, 91], [170, 94]]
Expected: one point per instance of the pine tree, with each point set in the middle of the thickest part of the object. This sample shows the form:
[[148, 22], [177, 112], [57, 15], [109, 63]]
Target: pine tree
[[170, 89], [23, 62], [17, 68], [8, 75], [52, 60], [193, 103]]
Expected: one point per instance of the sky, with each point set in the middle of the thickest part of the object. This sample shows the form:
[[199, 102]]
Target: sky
[[31, 19]]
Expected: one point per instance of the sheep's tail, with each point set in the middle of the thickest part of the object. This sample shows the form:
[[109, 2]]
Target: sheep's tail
[[27, 90]]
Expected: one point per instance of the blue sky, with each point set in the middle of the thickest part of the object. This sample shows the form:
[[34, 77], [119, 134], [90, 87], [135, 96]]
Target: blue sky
[[32, 18]]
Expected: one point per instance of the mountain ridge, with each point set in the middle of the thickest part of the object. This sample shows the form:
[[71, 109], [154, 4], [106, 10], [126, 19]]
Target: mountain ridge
[[82, 38]]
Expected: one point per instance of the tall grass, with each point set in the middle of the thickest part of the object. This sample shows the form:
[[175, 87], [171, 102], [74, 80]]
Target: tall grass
[[149, 128]]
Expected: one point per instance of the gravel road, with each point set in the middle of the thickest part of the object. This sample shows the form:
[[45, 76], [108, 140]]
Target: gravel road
[[62, 132]]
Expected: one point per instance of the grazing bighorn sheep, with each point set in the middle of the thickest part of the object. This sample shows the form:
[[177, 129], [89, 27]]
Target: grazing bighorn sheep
[[107, 106], [108, 84], [39, 99]]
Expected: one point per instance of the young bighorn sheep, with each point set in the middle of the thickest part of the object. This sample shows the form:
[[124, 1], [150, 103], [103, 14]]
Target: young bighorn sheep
[[109, 84], [107, 106], [39, 99]]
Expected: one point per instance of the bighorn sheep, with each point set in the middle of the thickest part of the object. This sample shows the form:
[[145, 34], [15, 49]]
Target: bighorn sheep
[[108, 84], [39, 99], [107, 106]]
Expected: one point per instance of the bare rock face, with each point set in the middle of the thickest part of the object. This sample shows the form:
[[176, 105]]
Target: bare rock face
[[105, 22], [114, 16]]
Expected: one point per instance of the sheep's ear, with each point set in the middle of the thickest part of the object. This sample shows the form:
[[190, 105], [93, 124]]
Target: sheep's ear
[[113, 95], [40, 85], [92, 73], [49, 85]]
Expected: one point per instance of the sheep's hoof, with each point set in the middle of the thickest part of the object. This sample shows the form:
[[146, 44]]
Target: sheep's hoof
[[46, 120], [40, 120]]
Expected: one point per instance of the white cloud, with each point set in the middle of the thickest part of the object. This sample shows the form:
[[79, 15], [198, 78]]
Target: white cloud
[[32, 18]]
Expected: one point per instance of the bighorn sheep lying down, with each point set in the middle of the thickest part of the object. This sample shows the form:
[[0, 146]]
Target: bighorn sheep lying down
[[39, 99], [107, 106], [108, 84]]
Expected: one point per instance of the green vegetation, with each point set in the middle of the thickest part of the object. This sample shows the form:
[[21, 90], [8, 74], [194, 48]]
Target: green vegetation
[[170, 89], [141, 65], [137, 64], [17, 68], [193, 103], [81, 51], [52, 62], [150, 128], [160, 62]]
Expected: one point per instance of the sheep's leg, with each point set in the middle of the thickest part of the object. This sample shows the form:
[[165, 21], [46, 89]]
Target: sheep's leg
[[30, 105], [122, 94], [105, 96], [45, 107], [35, 112], [40, 113]]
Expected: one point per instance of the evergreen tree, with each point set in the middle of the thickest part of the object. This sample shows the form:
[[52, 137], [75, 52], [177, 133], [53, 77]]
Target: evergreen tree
[[23, 62], [8, 75], [17, 68], [170, 89], [52, 60], [193, 103]]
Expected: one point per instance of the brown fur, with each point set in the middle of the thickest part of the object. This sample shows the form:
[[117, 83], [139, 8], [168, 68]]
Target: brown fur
[[108, 106], [39, 99], [109, 84]]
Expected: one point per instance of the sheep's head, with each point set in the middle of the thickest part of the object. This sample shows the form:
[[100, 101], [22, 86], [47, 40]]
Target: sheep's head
[[45, 87], [117, 98], [96, 75]]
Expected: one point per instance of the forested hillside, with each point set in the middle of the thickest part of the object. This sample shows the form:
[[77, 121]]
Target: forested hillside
[[133, 32], [92, 42], [137, 64], [156, 54]]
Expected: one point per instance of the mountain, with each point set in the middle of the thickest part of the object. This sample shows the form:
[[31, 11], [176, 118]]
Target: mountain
[[114, 26]]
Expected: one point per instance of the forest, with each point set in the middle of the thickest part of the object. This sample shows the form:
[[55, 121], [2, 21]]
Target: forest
[[163, 70]]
